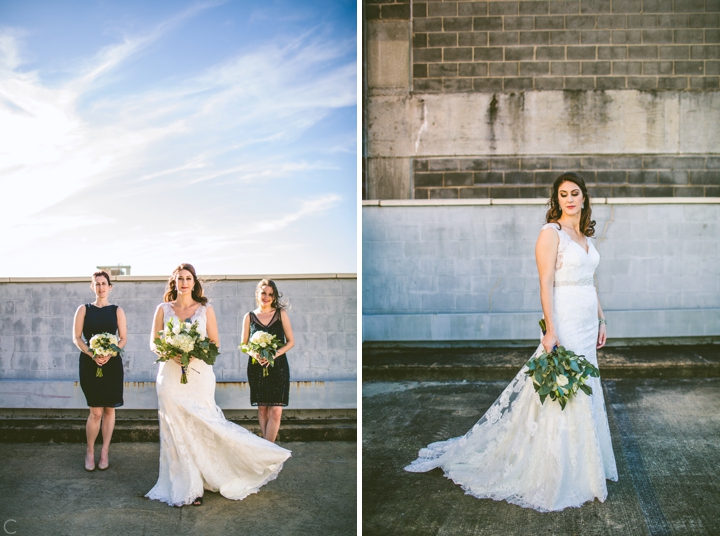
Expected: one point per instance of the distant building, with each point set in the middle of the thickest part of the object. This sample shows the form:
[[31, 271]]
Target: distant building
[[116, 270]]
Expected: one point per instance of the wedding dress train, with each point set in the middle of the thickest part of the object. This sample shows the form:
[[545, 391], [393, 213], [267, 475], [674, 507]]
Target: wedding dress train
[[537, 455]]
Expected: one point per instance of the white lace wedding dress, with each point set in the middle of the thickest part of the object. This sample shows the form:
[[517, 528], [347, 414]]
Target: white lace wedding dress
[[537, 455], [199, 449]]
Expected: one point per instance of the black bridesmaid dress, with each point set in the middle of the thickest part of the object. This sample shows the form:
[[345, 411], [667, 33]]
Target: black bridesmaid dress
[[105, 392], [273, 389]]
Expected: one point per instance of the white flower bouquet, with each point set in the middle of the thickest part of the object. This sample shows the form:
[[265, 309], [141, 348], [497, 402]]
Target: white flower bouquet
[[560, 374], [261, 345], [184, 340], [103, 345]]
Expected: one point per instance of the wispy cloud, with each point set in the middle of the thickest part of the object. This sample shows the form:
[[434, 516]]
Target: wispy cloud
[[69, 149]]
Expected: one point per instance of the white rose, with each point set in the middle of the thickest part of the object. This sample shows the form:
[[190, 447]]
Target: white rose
[[176, 329], [561, 380], [263, 345]]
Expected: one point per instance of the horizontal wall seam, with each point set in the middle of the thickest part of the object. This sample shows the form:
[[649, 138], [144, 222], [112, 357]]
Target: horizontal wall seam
[[163, 278], [536, 201]]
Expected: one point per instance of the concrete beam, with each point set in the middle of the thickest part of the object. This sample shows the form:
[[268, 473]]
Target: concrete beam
[[543, 122]]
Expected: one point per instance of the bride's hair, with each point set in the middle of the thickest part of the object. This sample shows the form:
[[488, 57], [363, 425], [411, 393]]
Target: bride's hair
[[276, 303], [197, 291], [587, 224]]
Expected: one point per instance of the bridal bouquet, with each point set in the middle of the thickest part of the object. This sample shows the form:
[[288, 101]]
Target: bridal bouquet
[[102, 345], [183, 339], [261, 345], [560, 374]]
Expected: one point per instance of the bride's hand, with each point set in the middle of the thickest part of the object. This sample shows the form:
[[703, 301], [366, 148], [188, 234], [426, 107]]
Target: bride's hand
[[602, 336], [177, 360], [549, 341]]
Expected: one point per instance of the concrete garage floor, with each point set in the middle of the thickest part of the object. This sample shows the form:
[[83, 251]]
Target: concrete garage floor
[[45, 490], [666, 437]]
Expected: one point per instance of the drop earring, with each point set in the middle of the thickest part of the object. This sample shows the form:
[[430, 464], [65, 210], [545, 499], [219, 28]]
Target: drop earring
[[583, 206]]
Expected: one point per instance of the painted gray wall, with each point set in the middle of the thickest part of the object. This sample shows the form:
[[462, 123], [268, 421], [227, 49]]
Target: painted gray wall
[[455, 272], [36, 320]]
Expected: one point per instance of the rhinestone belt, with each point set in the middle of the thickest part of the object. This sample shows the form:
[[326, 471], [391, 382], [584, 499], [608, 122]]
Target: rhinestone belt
[[586, 282]]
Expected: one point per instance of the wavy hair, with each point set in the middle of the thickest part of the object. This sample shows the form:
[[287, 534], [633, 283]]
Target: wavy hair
[[276, 303], [587, 224], [197, 291]]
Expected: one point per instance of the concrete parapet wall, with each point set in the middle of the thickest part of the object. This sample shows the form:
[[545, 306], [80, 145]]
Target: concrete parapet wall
[[467, 272], [36, 320], [66, 395]]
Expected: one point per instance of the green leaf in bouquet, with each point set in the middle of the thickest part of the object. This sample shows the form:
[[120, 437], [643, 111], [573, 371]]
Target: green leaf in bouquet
[[574, 365], [586, 389], [538, 377], [545, 390], [563, 402], [542, 398]]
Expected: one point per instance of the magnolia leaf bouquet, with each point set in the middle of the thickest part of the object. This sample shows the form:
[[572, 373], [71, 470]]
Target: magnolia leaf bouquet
[[184, 340], [103, 345], [560, 374], [261, 345]]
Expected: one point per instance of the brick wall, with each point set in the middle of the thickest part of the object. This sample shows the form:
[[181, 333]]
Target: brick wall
[[606, 176], [558, 44], [492, 99]]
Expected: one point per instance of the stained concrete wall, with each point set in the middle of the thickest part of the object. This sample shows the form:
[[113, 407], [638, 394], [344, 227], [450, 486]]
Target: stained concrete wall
[[465, 271], [38, 361], [477, 80]]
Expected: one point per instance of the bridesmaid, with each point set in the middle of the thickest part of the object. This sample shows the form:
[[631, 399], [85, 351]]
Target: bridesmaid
[[269, 393], [103, 394]]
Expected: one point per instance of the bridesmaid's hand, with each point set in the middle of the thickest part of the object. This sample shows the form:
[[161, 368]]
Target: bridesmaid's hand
[[549, 341], [602, 336]]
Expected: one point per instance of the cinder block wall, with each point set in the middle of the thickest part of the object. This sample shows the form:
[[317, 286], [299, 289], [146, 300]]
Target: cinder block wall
[[625, 86], [532, 176], [557, 44], [468, 273], [36, 322]]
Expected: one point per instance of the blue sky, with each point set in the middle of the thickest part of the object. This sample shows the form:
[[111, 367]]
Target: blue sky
[[223, 134]]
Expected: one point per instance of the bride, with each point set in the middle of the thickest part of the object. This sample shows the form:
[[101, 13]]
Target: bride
[[527, 453], [199, 449]]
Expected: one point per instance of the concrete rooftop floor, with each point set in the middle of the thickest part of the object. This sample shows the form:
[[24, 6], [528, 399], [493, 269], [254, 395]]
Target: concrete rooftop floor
[[45, 490], [666, 438]]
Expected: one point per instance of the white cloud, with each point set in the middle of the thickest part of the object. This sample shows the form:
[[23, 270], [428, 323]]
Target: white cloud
[[227, 125]]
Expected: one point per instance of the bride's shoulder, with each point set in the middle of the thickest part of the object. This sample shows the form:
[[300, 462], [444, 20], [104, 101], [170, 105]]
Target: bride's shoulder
[[552, 225]]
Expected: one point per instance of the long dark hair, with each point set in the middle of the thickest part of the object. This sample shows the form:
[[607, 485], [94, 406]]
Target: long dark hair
[[587, 224], [276, 303], [197, 291]]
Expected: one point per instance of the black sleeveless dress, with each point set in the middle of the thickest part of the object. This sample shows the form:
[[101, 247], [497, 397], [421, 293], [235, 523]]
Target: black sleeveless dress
[[105, 392], [273, 389]]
